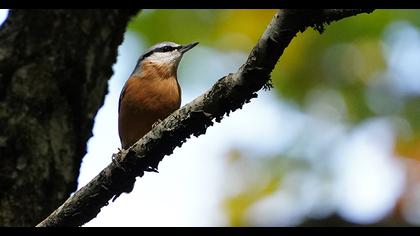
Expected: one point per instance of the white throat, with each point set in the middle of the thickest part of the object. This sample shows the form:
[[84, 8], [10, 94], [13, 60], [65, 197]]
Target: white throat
[[165, 58]]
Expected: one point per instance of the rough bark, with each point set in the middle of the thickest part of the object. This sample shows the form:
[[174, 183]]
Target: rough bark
[[54, 68], [227, 95]]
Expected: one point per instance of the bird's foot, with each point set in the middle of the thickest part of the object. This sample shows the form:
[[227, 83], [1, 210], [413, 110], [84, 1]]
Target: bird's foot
[[156, 123], [116, 157]]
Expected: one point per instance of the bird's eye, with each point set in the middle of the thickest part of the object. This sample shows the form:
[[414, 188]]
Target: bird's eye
[[166, 48]]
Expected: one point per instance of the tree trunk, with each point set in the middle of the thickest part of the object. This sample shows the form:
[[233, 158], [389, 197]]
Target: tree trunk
[[54, 68]]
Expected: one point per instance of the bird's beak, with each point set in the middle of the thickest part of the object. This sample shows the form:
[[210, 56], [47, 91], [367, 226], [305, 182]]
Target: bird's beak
[[185, 48]]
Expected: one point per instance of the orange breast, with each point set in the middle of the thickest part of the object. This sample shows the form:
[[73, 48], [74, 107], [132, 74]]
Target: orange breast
[[144, 102]]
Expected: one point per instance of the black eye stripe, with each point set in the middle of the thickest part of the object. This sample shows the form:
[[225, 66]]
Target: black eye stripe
[[161, 49], [165, 49], [146, 55]]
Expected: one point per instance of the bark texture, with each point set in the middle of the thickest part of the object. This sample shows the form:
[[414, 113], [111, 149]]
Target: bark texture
[[54, 68], [228, 94]]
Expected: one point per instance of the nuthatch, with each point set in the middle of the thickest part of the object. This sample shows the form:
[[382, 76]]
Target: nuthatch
[[151, 93]]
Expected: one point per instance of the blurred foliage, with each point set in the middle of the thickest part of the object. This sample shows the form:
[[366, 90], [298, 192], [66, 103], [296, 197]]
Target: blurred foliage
[[223, 29], [409, 147], [348, 59], [237, 206], [345, 57], [254, 189], [261, 180]]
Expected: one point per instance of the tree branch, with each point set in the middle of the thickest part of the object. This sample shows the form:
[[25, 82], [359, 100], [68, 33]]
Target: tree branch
[[228, 94]]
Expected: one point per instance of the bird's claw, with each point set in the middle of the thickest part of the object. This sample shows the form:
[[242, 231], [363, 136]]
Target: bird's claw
[[116, 158], [116, 155], [156, 123]]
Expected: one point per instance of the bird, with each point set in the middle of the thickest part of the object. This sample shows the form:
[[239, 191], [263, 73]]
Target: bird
[[151, 93]]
